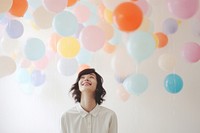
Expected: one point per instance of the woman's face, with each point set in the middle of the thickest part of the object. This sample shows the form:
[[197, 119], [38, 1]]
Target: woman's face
[[88, 83]]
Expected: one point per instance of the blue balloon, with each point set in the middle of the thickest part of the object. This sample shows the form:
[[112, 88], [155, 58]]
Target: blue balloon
[[34, 49], [136, 83], [37, 78], [23, 75], [170, 26], [15, 29], [117, 37], [84, 56], [65, 23], [173, 83], [141, 45]]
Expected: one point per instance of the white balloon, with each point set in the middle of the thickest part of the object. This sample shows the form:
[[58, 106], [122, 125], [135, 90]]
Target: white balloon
[[7, 66]]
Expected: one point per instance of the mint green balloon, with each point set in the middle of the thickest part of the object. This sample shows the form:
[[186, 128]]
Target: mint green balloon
[[34, 49], [136, 83], [141, 45]]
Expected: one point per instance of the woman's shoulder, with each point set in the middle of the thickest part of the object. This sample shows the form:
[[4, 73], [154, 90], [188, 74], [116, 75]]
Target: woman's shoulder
[[70, 111], [106, 110]]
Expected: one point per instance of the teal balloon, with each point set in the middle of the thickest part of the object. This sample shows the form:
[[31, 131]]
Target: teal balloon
[[173, 83], [84, 56], [136, 83], [34, 49], [117, 37], [65, 23], [141, 45]]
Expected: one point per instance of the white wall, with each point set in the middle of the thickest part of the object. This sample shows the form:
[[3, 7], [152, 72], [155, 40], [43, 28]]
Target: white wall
[[154, 111]]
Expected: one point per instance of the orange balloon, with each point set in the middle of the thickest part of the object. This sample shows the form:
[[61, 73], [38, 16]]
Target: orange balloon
[[19, 7], [71, 2], [82, 67], [54, 40], [109, 48], [128, 16], [162, 39]]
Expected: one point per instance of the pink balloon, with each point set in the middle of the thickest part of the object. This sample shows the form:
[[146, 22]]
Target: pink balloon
[[55, 5], [82, 13], [143, 4], [92, 38], [42, 63], [191, 52], [183, 9]]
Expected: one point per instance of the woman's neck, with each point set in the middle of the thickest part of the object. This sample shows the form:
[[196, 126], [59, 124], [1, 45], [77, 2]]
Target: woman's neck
[[88, 103]]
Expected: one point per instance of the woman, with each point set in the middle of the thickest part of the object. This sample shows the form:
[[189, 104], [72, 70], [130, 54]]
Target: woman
[[88, 116]]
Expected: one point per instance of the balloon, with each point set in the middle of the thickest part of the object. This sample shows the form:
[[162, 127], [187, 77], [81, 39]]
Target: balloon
[[68, 47], [141, 45], [42, 63], [136, 84], [92, 38], [15, 29], [109, 48], [43, 18], [65, 23], [143, 4], [167, 62], [173, 83], [191, 52], [67, 67], [122, 93], [147, 25], [82, 12], [80, 27], [34, 49], [24, 63], [112, 4], [127, 16], [23, 75], [5, 5], [170, 26], [35, 3], [7, 66], [55, 6], [107, 29], [10, 45], [19, 7], [84, 56], [162, 39], [118, 60], [54, 38], [82, 67], [183, 9], [37, 78], [117, 37], [94, 17], [108, 16], [71, 2]]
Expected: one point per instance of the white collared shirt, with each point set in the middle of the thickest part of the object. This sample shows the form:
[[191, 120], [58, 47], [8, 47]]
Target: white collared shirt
[[99, 120]]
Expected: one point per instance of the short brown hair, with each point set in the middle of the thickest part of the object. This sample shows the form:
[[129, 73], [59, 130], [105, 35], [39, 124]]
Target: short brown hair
[[100, 91]]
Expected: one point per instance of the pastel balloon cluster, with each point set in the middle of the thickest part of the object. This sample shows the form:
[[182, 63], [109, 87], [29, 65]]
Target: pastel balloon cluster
[[79, 29]]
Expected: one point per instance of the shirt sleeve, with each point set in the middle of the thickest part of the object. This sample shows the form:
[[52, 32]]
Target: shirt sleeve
[[114, 124], [63, 125]]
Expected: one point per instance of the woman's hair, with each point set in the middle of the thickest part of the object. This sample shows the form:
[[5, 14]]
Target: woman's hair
[[100, 91]]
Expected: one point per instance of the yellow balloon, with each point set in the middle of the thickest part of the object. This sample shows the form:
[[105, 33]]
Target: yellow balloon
[[108, 16], [68, 47]]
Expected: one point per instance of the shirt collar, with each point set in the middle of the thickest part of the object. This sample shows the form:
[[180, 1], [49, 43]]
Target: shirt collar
[[84, 113]]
